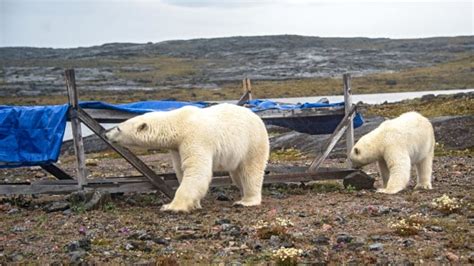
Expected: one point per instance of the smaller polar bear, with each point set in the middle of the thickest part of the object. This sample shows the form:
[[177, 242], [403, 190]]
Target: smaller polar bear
[[396, 145], [223, 137]]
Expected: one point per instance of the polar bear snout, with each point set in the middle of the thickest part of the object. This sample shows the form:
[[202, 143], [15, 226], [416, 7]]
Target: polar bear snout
[[111, 133]]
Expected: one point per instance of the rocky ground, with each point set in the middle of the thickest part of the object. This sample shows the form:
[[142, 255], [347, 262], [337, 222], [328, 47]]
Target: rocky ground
[[322, 221]]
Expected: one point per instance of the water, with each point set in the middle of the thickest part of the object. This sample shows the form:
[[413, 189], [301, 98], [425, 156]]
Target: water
[[376, 98]]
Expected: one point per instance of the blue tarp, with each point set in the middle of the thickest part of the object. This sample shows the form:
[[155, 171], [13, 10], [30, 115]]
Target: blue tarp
[[31, 135], [142, 107]]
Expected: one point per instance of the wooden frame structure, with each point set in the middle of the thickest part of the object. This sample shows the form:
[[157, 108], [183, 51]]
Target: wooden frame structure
[[166, 182]]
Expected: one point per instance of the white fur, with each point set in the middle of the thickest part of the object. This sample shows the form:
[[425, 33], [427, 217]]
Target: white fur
[[222, 137], [396, 145]]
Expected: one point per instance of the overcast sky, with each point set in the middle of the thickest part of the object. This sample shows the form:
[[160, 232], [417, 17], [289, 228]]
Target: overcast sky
[[73, 23]]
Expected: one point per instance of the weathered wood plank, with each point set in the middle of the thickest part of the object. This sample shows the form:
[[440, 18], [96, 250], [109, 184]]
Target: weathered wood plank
[[347, 106], [333, 139], [56, 171], [114, 185], [126, 154], [76, 127]]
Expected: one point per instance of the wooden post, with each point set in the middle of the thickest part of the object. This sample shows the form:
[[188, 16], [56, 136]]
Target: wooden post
[[76, 127], [249, 88], [348, 105]]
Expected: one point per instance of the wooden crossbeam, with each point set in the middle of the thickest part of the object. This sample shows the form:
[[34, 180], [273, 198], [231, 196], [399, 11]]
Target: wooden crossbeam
[[138, 184]]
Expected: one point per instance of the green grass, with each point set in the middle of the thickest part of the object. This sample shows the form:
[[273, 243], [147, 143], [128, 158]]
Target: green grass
[[432, 108]]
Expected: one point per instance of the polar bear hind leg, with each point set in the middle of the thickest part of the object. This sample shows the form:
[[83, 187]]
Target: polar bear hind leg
[[399, 169], [423, 171]]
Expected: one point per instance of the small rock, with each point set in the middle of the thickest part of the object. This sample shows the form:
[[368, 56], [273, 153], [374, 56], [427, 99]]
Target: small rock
[[344, 238], [257, 246], [161, 241], [56, 206], [321, 240], [340, 220], [355, 245], [18, 228], [222, 221], [13, 211], [76, 256], [84, 244], [297, 235], [99, 198], [129, 246], [287, 244], [235, 231], [436, 228], [380, 238], [451, 256], [376, 247], [326, 227], [471, 221], [275, 241], [222, 197], [408, 242], [471, 257], [302, 214]]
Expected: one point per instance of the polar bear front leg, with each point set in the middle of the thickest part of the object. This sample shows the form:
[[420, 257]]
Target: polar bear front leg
[[399, 168], [197, 175], [383, 171], [423, 171], [176, 159]]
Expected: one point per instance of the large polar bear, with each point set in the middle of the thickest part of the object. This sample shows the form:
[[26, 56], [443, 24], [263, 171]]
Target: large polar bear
[[222, 137], [396, 145]]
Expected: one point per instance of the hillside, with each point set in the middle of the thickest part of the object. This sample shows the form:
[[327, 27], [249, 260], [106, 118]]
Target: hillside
[[157, 69]]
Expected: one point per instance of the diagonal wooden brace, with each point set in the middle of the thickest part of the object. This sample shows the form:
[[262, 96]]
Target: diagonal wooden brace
[[335, 136], [126, 154]]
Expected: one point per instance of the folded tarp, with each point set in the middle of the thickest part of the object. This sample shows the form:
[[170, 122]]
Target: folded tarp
[[314, 125], [31, 135]]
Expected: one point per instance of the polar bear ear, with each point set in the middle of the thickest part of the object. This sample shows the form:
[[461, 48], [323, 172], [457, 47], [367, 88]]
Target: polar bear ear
[[356, 151], [142, 127]]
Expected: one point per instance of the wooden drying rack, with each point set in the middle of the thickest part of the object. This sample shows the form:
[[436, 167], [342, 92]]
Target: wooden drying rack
[[167, 182]]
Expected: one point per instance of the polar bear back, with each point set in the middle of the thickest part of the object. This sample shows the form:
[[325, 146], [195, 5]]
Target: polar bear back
[[230, 132], [411, 132]]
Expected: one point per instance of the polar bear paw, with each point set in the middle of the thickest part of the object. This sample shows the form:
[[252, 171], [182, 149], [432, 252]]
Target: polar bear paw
[[423, 186], [181, 207], [247, 203], [388, 191]]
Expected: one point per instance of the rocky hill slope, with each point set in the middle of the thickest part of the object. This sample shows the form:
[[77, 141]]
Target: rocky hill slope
[[207, 63]]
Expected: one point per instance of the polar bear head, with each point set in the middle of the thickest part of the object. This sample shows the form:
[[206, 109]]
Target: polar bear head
[[147, 131], [365, 151]]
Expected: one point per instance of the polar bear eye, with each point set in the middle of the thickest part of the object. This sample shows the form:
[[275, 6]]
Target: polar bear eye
[[357, 151]]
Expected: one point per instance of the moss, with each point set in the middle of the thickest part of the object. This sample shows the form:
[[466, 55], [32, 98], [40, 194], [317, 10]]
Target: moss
[[439, 106], [290, 154]]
